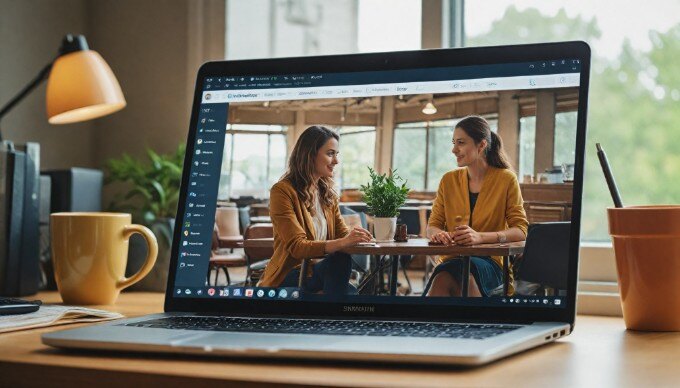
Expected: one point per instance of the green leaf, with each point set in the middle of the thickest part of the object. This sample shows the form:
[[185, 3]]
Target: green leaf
[[151, 189], [383, 195]]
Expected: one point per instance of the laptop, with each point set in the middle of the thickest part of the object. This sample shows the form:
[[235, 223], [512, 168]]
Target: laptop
[[511, 86]]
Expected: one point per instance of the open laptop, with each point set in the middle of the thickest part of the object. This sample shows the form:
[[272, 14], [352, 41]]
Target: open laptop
[[535, 97]]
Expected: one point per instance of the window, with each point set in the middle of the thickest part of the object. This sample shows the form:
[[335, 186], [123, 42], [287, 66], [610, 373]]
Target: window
[[422, 153], [416, 142], [357, 153], [317, 27], [565, 138], [634, 92], [254, 159], [408, 157], [527, 145]]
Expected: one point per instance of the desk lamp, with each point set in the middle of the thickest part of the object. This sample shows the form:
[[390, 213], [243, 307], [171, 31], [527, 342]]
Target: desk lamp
[[81, 85]]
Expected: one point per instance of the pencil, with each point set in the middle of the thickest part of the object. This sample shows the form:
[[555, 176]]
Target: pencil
[[613, 190]]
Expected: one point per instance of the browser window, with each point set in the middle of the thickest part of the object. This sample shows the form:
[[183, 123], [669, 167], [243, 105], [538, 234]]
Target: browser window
[[547, 88]]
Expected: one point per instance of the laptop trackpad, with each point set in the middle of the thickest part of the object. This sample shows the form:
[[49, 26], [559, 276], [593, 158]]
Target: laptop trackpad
[[267, 341]]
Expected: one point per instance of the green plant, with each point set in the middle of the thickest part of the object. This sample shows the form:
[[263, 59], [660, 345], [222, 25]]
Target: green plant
[[153, 188], [383, 195]]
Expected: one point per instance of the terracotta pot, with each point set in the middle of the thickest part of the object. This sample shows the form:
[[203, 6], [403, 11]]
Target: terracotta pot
[[647, 248]]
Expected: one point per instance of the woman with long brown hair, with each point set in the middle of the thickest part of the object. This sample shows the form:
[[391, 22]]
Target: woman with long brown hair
[[480, 202], [307, 224]]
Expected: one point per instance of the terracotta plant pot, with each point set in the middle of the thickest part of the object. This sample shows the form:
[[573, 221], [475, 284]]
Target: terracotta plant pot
[[647, 248]]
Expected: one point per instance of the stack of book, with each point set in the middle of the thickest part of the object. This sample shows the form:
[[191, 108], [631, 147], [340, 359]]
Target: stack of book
[[19, 218]]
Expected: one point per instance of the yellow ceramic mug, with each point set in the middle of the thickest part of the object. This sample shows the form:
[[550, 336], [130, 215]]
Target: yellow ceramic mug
[[89, 252]]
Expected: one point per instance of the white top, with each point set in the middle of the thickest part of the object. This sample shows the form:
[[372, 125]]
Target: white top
[[319, 220]]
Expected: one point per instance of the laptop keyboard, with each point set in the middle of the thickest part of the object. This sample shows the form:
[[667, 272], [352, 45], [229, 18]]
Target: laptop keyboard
[[329, 327]]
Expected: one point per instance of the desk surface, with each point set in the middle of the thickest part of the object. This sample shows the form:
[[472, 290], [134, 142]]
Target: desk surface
[[599, 353]]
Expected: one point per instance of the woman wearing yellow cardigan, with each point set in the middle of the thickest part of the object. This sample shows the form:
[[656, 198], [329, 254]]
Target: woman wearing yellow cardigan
[[307, 224], [478, 203]]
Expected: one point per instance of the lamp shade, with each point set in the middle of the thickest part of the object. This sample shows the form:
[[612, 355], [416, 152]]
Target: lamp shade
[[429, 109], [82, 87]]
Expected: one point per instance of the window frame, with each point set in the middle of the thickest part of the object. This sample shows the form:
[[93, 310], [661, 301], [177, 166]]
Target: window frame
[[368, 129], [233, 132]]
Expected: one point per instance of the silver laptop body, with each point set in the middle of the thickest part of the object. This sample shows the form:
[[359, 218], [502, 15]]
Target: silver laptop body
[[519, 322]]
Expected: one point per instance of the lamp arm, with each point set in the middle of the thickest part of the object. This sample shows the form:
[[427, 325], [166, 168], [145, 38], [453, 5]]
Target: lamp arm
[[44, 73]]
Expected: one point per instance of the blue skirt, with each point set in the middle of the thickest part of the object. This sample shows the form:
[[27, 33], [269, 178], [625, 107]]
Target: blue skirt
[[487, 273]]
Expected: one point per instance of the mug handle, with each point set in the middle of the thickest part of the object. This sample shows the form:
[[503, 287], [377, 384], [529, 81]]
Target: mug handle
[[151, 256]]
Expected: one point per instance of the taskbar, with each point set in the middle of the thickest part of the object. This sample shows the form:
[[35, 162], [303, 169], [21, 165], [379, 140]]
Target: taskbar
[[240, 292], [295, 293]]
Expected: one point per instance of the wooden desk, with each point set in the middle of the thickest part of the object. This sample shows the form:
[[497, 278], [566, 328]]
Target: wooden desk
[[419, 246], [600, 353]]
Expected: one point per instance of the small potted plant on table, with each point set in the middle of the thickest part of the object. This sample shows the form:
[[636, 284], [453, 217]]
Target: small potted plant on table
[[384, 196]]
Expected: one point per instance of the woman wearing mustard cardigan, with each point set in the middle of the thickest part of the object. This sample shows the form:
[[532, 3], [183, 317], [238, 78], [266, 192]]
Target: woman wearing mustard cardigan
[[478, 203], [307, 224]]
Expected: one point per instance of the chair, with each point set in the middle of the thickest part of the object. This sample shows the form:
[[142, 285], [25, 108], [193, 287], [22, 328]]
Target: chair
[[430, 261], [243, 218], [411, 216], [220, 261], [546, 256], [257, 258], [227, 221], [360, 262]]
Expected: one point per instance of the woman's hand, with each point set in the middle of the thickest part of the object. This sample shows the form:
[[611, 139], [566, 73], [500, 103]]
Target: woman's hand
[[443, 237], [465, 235], [355, 236]]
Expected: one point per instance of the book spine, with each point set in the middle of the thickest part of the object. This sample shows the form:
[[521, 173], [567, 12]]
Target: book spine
[[30, 248], [5, 149], [17, 163]]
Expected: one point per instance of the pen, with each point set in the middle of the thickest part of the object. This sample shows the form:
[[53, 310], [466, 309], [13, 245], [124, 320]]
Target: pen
[[613, 190]]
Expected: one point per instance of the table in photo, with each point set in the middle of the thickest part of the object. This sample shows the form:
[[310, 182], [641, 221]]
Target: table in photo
[[420, 246]]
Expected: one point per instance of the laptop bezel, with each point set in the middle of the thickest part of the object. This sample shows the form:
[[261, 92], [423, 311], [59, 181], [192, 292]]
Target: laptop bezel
[[393, 61]]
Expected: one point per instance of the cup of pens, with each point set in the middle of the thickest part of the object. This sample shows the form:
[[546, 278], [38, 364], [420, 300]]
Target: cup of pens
[[646, 243]]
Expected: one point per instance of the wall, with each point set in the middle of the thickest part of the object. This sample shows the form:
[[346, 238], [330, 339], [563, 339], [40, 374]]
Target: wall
[[154, 47], [30, 35], [149, 53]]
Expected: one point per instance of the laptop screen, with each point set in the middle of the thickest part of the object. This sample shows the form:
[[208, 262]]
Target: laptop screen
[[411, 119]]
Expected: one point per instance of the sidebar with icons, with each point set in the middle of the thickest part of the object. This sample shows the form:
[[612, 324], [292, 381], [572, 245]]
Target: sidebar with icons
[[198, 219]]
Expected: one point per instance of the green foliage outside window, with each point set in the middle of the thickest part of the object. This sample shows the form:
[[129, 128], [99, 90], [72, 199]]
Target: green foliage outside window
[[633, 111]]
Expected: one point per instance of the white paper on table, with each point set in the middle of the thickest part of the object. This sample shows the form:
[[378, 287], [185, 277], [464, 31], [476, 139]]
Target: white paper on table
[[52, 315]]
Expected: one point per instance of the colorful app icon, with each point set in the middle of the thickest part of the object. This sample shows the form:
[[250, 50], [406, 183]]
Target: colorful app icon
[[271, 293], [260, 293], [211, 291], [249, 292], [283, 293]]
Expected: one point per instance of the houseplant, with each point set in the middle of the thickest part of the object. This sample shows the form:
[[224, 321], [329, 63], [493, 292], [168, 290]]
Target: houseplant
[[384, 196], [149, 191]]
